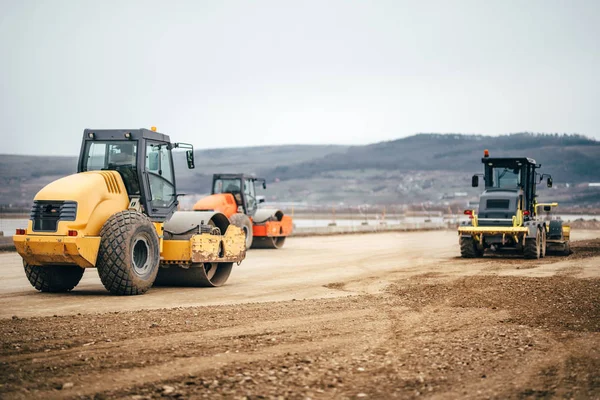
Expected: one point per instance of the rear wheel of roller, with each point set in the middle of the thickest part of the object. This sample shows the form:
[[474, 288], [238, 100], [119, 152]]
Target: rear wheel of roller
[[197, 275], [532, 249], [543, 243], [268, 242]]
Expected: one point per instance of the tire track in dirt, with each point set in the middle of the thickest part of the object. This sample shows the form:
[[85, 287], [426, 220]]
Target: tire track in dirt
[[267, 327], [204, 350]]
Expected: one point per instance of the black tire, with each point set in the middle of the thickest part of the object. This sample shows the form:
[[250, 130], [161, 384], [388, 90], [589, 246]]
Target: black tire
[[469, 248], [197, 275], [53, 278], [567, 251], [268, 242], [129, 253], [543, 243], [532, 247], [243, 222]]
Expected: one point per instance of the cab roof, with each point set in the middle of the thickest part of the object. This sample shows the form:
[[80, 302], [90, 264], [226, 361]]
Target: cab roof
[[508, 160], [119, 134], [234, 176]]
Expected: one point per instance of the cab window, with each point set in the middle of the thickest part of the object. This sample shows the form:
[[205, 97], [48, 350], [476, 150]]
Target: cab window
[[506, 177], [250, 195], [160, 175], [103, 155], [120, 156]]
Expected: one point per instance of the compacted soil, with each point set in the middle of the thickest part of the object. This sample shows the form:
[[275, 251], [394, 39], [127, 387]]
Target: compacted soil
[[394, 315]]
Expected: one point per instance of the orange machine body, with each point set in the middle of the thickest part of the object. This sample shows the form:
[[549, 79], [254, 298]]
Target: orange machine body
[[222, 202], [273, 228], [226, 204]]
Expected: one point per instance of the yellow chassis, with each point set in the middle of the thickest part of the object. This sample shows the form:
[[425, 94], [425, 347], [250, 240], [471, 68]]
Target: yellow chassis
[[57, 250], [82, 251], [518, 233], [491, 230]]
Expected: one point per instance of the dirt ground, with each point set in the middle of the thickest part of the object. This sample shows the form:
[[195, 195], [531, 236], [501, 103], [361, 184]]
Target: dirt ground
[[394, 315]]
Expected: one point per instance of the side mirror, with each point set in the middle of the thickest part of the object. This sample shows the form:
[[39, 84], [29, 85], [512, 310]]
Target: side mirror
[[475, 181], [189, 155], [264, 186], [549, 182]]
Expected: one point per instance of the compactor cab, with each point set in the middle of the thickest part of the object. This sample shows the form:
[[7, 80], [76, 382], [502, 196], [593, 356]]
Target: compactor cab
[[510, 185], [507, 217], [118, 213], [144, 161], [235, 196], [242, 188]]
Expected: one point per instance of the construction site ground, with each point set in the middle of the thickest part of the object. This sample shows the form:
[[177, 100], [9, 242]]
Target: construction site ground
[[388, 315]]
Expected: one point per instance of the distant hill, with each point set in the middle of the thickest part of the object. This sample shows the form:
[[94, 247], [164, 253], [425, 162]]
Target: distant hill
[[249, 160], [21, 177], [420, 168], [571, 158]]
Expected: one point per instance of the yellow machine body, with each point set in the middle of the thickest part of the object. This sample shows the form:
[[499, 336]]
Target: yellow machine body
[[99, 195], [518, 232], [206, 248]]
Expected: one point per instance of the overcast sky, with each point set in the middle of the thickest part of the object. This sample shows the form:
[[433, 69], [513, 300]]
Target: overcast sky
[[237, 73]]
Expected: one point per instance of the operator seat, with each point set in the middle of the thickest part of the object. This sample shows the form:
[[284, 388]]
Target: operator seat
[[235, 191]]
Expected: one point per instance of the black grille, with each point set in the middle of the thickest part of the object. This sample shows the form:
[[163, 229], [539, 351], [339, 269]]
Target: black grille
[[494, 223], [497, 203], [46, 214]]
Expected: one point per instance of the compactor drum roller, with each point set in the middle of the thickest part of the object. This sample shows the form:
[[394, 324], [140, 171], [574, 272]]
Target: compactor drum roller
[[118, 214], [235, 196], [509, 216]]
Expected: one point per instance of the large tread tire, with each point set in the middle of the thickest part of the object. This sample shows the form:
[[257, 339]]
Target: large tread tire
[[197, 275], [469, 248], [567, 251], [243, 222], [129, 254], [268, 242], [53, 278], [532, 249], [543, 243]]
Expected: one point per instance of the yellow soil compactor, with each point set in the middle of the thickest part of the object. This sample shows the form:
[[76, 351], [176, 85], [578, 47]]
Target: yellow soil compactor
[[509, 216], [118, 214]]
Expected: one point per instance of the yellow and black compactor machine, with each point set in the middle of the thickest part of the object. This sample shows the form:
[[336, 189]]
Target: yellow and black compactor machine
[[509, 216], [118, 213]]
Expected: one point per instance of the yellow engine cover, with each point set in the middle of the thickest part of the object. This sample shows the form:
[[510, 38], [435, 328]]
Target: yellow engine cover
[[99, 195]]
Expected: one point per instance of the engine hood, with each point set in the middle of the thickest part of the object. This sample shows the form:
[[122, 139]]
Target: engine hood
[[221, 202], [497, 207], [96, 196]]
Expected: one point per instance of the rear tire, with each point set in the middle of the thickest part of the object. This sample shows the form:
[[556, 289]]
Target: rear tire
[[543, 244], [197, 275], [53, 278], [567, 251], [129, 253], [469, 248], [243, 222], [532, 249], [269, 242]]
